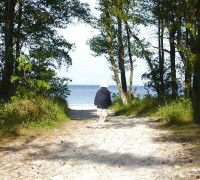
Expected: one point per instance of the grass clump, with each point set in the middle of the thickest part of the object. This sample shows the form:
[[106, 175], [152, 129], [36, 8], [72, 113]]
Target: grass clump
[[31, 112], [176, 112], [137, 106], [172, 112]]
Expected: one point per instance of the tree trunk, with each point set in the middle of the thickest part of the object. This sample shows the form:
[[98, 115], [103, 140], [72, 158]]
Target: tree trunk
[[188, 81], [161, 57], [111, 54], [196, 78], [130, 60], [121, 56], [6, 87], [187, 64], [174, 85], [18, 34], [145, 54], [196, 90], [188, 73]]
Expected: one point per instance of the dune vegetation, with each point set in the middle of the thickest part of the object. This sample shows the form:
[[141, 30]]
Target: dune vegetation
[[171, 112]]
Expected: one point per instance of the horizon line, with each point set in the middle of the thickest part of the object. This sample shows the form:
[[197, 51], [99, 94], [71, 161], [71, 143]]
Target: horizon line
[[98, 85]]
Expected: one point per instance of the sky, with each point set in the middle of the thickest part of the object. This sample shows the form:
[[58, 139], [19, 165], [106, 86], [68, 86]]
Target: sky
[[87, 69]]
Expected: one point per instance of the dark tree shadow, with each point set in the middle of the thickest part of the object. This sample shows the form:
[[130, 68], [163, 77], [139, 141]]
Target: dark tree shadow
[[66, 151], [186, 135], [70, 151], [82, 114], [177, 133]]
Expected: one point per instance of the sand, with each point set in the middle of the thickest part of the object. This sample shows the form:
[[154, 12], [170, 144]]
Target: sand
[[121, 148]]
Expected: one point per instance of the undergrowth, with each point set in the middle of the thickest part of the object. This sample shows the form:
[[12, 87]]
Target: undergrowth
[[37, 112], [176, 112], [136, 106], [171, 112]]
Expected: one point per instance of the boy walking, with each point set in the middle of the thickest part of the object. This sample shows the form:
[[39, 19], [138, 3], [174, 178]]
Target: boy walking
[[102, 100]]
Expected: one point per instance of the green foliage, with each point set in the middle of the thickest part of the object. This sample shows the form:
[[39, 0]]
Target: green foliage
[[59, 87], [171, 112], [137, 106], [34, 30], [177, 112], [31, 112], [26, 84], [98, 45], [43, 83]]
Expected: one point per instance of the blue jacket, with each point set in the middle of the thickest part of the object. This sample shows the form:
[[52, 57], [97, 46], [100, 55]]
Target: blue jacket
[[102, 99]]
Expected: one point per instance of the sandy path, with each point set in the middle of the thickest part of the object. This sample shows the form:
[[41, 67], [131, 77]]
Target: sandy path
[[122, 148]]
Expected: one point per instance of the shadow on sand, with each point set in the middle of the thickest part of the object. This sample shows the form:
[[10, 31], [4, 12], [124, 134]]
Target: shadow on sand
[[66, 151], [70, 151], [82, 114]]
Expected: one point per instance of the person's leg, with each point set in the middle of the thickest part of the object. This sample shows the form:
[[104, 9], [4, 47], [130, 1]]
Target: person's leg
[[104, 115], [103, 118], [100, 119], [99, 114]]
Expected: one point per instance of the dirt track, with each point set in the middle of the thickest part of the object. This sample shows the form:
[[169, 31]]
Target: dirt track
[[122, 148]]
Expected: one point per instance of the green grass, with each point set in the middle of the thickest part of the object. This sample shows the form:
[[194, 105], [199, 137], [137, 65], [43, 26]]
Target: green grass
[[145, 106], [176, 112], [31, 113], [171, 112]]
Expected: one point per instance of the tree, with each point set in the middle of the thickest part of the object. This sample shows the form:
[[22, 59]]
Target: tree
[[106, 43], [45, 83], [195, 35], [6, 86], [33, 31], [118, 6], [130, 60], [184, 33]]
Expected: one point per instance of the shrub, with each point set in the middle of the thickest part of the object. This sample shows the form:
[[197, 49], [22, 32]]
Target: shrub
[[176, 112], [38, 111], [135, 106], [172, 112], [43, 82]]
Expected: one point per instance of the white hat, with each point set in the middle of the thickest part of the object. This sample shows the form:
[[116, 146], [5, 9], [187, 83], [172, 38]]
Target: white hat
[[103, 83]]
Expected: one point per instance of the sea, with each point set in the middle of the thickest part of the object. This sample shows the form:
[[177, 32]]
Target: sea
[[82, 96]]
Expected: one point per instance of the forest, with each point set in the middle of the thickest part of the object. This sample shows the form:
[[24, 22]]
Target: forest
[[175, 27], [31, 51]]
